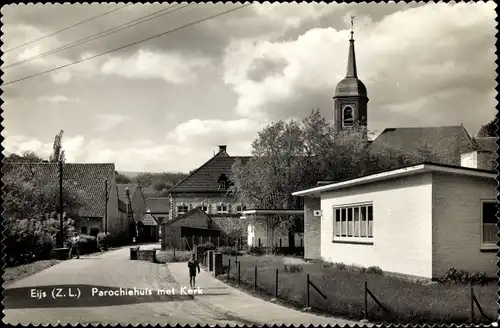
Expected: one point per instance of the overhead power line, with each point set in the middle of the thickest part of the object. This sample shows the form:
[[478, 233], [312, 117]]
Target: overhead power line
[[128, 45], [69, 27], [99, 35]]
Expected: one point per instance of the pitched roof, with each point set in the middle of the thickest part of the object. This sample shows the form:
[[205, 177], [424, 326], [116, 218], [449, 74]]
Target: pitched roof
[[195, 212], [204, 179], [158, 204], [488, 144], [149, 192], [449, 141], [148, 220], [85, 179]]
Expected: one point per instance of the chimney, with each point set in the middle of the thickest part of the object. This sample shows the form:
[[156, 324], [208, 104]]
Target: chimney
[[222, 149]]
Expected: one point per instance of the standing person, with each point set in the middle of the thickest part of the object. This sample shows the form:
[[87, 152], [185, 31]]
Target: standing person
[[193, 265], [76, 245]]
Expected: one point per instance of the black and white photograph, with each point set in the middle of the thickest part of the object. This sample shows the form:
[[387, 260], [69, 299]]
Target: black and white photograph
[[249, 163]]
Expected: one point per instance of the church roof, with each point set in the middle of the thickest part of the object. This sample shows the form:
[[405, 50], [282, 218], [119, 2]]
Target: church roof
[[448, 141], [351, 85]]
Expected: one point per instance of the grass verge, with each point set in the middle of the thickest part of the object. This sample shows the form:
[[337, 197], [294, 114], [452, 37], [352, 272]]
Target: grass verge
[[406, 301], [167, 256], [21, 271]]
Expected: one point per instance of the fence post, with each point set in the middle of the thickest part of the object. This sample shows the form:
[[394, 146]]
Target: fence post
[[259, 242], [276, 285], [228, 268], [255, 279], [239, 273], [307, 287], [471, 295], [174, 254], [366, 300], [280, 242]]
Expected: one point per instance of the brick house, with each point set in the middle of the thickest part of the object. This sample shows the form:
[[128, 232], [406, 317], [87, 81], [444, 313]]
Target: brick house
[[185, 230], [207, 188], [88, 181]]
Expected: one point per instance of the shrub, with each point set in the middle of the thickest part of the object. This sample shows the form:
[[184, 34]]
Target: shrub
[[341, 266], [205, 247], [463, 277], [257, 251], [224, 249], [374, 270], [293, 268], [88, 244]]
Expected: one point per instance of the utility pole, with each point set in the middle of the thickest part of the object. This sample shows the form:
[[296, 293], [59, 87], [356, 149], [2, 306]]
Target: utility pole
[[61, 209], [106, 207]]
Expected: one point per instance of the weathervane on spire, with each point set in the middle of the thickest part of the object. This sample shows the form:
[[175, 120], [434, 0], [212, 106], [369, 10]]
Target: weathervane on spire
[[352, 27]]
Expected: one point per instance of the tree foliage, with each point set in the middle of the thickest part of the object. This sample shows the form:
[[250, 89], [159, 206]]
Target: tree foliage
[[291, 156], [31, 220], [160, 182], [488, 130], [122, 178], [57, 150]]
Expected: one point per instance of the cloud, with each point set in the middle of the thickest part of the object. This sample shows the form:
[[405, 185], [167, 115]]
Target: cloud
[[207, 134], [56, 99], [108, 122], [438, 45]]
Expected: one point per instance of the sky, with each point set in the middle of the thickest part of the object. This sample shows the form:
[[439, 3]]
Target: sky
[[167, 103]]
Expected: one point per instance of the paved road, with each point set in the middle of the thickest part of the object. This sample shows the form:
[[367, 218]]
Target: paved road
[[110, 270]]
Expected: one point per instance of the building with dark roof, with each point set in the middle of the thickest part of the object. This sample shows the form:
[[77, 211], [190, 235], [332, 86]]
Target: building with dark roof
[[88, 182], [133, 198]]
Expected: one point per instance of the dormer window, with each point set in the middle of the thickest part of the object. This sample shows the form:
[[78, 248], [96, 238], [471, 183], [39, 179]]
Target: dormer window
[[347, 116], [222, 209], [223, 182]]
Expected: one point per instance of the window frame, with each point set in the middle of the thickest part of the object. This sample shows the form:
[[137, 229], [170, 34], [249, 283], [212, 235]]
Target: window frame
[[222, 185], [343, 116], [221, 211], [481, 221], [355, 232], [181, 212]]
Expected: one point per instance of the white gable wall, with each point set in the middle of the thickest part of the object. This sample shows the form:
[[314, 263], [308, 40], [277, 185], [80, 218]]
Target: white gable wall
[[402, 230], [457, 224]]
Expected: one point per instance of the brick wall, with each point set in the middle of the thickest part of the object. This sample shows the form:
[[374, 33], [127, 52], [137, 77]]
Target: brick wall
[[312, 229]]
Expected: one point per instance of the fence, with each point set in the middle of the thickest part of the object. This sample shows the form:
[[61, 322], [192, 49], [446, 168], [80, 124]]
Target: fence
[[272, 286], [187, 243]]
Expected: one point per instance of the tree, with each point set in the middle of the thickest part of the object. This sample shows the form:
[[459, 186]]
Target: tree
[[488, 130], [26, 157], [58, 152], [30, 213], [121, 178]]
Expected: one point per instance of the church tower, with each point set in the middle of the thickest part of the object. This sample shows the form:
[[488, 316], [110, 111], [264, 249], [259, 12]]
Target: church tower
[[350, 102]]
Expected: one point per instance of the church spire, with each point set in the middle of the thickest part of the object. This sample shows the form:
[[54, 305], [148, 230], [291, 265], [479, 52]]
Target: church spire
[[351, 61]]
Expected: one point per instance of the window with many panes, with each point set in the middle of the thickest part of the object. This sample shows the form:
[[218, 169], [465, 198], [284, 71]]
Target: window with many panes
[[222, 209], [352, 222], [182, 209], [489, 223], [240, 208]]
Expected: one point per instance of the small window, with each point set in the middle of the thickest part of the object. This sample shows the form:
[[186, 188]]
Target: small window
[[222, 185], [182, 209], [239, 208], [490, 230], [94, 232], [347, 116], [222, 209], [84, 230], [204, 208]]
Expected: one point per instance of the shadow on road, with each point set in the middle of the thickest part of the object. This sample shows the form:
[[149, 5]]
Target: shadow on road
[[89, 296]]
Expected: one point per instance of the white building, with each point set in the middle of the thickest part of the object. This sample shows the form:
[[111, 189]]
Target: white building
[[261, 231], [417, 221]]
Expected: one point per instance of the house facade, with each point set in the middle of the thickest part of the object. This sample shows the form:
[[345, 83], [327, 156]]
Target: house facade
[[417, 221], [207, 188]]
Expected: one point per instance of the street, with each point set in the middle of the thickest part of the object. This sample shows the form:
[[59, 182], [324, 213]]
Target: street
[[111, 269]]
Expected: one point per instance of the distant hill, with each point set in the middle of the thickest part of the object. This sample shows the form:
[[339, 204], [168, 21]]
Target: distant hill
[[130, 174]]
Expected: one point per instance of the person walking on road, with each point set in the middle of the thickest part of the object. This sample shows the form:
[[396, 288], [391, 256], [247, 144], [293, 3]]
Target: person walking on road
[[75, 249], [193, 264]]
